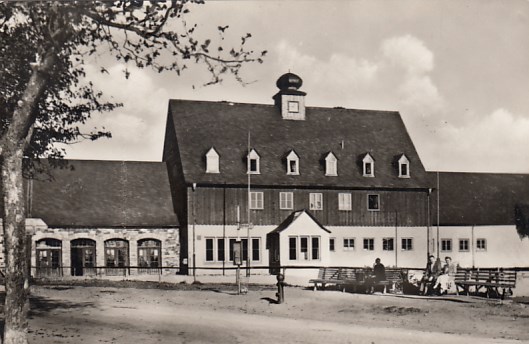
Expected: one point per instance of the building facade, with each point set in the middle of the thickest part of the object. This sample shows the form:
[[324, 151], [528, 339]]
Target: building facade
[[101, 218], [349, 183]]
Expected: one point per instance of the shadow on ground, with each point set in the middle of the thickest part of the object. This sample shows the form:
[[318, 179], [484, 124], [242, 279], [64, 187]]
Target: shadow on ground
[[41, 306]]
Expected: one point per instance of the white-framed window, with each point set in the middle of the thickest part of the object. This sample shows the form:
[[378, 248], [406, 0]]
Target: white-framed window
[[388, 244], [292, 163], [293, 106], [368, 164], [406, 244], [446, 245], [212, 161], [254, 249], [256, 200], [464, 245], [369, 244], [373, 202], [304, 248], [286, 200], [210, 249], [315, 201], [348, 244], [404, 167], [253, 161], [481, 244], [331, 165], [332, 244], [344, 201]]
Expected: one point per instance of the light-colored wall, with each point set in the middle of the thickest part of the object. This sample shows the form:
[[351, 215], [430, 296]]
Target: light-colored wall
[[304, 226], [505, 248], [358, 257]]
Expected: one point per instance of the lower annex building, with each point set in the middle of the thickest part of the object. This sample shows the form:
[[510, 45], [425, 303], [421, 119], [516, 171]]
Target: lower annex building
[[299, 186]]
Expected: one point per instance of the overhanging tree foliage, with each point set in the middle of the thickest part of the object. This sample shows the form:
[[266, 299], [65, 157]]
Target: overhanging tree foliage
[[45, 96]]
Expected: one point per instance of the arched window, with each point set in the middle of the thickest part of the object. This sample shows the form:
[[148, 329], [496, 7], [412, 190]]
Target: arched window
[[331, 165], [212, 161], [149, 255], [83, 256], [292, 163], [49, 252], [116, 256], [368, 166]]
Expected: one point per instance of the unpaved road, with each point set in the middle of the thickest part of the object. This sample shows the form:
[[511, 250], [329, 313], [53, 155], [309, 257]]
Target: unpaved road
[[127, 315]]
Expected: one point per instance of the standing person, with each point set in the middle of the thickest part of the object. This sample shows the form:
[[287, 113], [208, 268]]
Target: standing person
[[379, 274], [379, 270]]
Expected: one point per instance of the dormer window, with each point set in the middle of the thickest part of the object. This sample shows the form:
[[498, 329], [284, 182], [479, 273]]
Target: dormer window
[[212, 161], [331, 165], [292, 163], [404, 167], [253, 162], [368, 166]]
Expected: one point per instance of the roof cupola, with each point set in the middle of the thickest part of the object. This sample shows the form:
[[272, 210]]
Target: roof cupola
[[290, 100]]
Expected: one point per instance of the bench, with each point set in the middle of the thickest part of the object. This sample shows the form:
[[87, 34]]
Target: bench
[[341, 277], [393, 279], [491, 280]]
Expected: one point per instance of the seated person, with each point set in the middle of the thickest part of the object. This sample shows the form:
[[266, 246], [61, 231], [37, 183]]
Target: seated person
[[432, 271], [445, 281]]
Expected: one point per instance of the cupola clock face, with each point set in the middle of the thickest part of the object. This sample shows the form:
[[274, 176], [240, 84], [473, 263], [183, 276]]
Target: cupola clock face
[[293, 106]]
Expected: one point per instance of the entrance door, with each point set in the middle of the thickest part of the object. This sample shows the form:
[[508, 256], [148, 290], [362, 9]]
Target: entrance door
[[49, 253], [273, 253], [83, 254]]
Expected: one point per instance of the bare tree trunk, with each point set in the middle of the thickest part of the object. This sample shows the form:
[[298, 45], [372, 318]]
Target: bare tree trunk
[[16, 276]]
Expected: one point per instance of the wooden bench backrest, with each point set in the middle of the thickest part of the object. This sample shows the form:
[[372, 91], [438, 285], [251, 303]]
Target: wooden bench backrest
[[486, 276], [328, 273], [348, 274], [393, 275]]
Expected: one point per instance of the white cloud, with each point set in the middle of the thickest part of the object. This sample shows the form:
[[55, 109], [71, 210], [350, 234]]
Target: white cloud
[[492, 143], [408, 52]]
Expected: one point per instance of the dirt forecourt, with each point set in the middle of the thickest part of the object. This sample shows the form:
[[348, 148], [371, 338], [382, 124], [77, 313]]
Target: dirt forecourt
[[214, 313]]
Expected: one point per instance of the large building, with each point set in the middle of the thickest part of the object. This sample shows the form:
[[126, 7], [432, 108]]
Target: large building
[[298, 186], [326, 186]]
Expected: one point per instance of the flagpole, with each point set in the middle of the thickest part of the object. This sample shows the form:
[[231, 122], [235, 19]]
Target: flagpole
[[248, 230]]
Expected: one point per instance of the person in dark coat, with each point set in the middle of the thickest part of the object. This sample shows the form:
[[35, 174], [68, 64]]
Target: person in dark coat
[[432, 270]]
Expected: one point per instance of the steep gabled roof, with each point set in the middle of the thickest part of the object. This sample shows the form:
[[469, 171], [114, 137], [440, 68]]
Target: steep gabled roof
[[293, 217], [104, 194], [200, 125], [479, 198]]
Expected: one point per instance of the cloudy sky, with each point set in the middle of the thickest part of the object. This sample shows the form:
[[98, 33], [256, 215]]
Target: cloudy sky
[[458, 72]]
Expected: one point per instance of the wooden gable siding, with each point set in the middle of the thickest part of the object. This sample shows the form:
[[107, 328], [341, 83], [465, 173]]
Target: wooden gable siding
[[217, 206]]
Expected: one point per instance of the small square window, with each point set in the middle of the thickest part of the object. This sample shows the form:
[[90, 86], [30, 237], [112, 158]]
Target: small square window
[[463, 245], [481, 244], [387, 244], [446, 245], [293, 106], [256, 200], [315, 201], [373, 202], [406, 244], [348, 244], [369, 244]]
